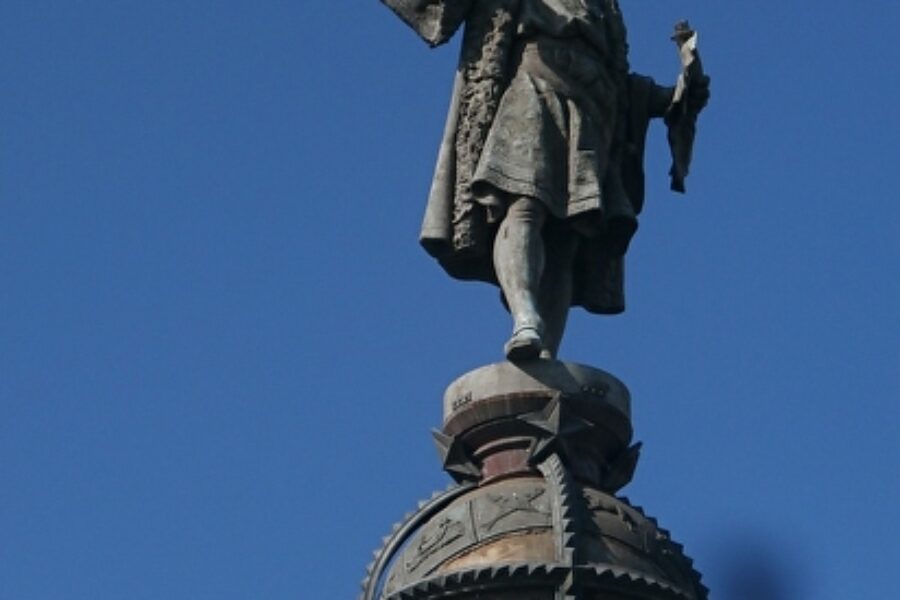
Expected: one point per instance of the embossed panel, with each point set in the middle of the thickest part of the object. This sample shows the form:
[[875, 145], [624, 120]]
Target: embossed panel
[[512, 507], [448, 534]]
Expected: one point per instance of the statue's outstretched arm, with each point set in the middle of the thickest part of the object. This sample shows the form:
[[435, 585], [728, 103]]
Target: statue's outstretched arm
[[434, 20]]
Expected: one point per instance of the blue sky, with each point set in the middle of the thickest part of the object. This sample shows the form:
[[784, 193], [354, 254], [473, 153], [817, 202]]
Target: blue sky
[[222, 350]]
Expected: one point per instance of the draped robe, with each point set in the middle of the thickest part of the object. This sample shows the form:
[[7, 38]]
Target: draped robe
[[544, 106]]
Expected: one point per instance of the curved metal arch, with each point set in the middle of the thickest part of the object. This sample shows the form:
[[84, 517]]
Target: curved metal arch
[[401, 533]]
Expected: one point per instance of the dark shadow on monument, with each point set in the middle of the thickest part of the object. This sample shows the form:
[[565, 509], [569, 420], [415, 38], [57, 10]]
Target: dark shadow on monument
[[751, 566]]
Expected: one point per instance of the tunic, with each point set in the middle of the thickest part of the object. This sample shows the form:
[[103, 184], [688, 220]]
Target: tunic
[[555, 125], [543, 106]]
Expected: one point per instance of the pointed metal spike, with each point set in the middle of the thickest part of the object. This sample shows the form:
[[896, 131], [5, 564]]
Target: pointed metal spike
[[443, 444]]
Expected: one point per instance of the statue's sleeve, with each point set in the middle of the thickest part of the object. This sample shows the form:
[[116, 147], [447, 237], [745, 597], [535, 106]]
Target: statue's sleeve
[[659, 100], [434, 20]]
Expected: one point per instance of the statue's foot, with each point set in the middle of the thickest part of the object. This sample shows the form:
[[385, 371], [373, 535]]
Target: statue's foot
[[525, 344]]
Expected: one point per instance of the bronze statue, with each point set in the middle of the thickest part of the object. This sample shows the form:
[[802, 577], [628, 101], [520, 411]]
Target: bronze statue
[[540, 177]]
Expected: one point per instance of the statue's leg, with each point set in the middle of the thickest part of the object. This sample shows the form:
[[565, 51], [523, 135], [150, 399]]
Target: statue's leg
[[519, 264], [555, 297]]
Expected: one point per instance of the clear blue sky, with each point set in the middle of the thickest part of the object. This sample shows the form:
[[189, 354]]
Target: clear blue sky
[[221, 349]]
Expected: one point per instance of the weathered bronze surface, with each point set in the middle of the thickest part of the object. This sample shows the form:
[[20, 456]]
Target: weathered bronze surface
[[539, 178], [538, 450], [537, 189], [546, 536], [503, 419]]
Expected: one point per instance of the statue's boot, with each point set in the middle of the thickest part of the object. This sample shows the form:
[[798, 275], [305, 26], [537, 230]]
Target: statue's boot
[[525, 344]]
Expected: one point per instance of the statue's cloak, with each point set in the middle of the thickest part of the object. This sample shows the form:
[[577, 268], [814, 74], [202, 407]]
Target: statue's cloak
[[455, 229]]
